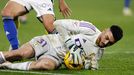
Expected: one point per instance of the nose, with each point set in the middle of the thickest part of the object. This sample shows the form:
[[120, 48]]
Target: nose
[[106, 42]]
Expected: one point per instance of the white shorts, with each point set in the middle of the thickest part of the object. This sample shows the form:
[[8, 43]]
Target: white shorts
[[40, 6], [43, 48]]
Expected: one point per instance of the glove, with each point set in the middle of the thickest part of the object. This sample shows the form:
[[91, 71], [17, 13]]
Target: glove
[[69, 43], [74, 59], [91, 63]]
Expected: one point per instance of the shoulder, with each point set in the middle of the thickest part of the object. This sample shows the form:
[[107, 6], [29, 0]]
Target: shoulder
[[67, 20], [88, 27]]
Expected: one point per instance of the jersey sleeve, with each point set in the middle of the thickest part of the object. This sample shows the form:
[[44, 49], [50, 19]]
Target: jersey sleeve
[[99, 54], [87, 28], [75, 26]]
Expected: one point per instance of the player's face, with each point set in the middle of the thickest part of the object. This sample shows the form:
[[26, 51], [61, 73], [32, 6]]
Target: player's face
[[105, 39]]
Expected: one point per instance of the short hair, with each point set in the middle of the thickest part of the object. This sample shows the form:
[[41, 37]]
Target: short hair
[[117, 32]]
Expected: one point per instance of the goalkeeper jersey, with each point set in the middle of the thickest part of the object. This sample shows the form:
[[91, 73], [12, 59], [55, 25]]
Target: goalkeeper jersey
[[71, 32], [81, 32]]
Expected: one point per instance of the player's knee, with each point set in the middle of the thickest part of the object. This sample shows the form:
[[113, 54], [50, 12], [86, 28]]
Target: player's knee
[[23, 54], [26, 54], [26, 51], [49, 21], [46, 65], [6, 12], [49, 26]]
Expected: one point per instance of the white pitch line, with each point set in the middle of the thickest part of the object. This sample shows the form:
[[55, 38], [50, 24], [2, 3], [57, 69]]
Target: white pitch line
[[126, 52], [27, 72]]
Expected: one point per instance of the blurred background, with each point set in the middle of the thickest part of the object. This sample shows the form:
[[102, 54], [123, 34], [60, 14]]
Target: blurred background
[[102, 13]]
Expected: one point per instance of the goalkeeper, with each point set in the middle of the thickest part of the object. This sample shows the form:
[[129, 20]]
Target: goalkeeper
[[77, 44]]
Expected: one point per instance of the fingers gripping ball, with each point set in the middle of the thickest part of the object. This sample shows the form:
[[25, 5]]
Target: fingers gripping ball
[[74, 59], [69, 63]]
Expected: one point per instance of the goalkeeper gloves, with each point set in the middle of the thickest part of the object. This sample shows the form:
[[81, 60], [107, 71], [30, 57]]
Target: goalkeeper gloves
[[73, 61]]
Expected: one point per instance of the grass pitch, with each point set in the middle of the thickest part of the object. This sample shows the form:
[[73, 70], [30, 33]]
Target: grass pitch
[[117, 59]]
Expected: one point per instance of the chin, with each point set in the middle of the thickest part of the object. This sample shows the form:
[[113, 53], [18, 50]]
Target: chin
[[101, 46]]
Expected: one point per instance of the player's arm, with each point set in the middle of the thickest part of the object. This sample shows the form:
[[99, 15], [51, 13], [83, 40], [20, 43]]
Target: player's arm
[[67, 24], [65, 27], [91, 63], [64, 8], [74, 59], [75, 26]]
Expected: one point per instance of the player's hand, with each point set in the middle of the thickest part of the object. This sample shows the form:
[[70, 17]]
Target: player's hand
[[73, 61], [91, 63], [69, 43], [64, 9], [76, 56]]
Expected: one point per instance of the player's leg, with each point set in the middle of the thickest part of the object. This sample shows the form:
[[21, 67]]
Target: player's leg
[[17, 23], [45, 54], [126, 10], [41, 64], [9, 13], [127, 3], [44, 62], [23, 19], [24, 52], [45, 14], [47, 58], [48, 20]]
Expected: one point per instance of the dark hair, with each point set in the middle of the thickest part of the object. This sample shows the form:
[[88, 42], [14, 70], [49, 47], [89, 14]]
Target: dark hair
[[117, 32]]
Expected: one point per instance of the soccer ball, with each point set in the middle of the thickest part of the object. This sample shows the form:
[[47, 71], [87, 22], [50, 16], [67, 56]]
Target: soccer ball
[[74, 59], [69, 62]]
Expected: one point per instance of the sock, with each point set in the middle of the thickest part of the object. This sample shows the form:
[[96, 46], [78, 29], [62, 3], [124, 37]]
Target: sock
[[127, 3], [2, 58], [19, 66], [11, 32]]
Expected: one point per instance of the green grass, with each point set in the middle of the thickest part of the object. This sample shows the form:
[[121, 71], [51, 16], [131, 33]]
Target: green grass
[[117, 59]]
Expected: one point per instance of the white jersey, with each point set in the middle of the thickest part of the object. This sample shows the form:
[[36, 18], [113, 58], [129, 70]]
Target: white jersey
[[40, 6], [83, 31], [74, 32], [69, 27]]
